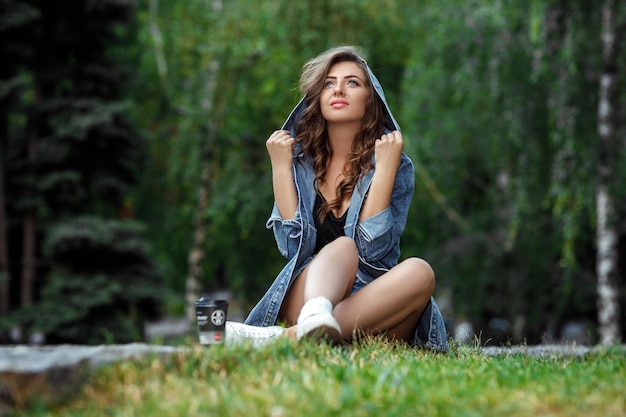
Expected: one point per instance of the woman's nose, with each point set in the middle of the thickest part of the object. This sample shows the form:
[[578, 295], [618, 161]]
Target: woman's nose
[[339, 88]]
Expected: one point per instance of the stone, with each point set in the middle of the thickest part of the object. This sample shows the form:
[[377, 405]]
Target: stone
[[51, 373], [542, 351], [464, 332], [168, 328], [576, 332]]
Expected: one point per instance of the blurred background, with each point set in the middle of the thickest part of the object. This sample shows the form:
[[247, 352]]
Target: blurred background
[[134, 176]]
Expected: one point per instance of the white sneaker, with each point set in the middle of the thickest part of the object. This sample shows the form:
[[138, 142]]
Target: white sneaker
[[239, 333], [316, 320]]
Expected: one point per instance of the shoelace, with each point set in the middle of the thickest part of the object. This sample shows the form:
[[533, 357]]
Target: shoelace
[[257, 334]]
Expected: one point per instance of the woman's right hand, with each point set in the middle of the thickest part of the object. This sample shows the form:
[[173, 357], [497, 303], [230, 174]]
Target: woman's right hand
[[280, 148]]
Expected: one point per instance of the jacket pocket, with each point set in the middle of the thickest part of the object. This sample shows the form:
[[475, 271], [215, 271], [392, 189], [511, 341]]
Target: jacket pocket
[[373, 248], [375, 236], [287, 234]]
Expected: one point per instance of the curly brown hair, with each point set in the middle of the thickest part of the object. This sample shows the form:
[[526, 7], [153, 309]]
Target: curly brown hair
[[311, 129]]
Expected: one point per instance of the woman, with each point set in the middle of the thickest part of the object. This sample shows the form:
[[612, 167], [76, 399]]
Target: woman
[[342, 189]]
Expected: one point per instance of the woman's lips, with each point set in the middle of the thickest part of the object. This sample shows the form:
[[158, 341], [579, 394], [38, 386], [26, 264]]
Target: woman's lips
[[338, 104]]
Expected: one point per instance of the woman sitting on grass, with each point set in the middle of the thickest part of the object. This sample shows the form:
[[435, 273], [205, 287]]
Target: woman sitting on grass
[[342, 189]]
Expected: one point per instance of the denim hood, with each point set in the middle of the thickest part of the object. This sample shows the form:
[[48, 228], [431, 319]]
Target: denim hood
[[390, 121]]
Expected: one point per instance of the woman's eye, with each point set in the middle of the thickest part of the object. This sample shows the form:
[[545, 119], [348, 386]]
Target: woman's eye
[[329, 84], [352, 82]]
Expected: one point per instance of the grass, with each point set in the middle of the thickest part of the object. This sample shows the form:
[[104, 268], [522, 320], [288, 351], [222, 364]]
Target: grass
[[375, 378]]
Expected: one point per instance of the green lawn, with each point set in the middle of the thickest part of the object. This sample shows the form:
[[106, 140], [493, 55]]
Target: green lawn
[[372, 379]]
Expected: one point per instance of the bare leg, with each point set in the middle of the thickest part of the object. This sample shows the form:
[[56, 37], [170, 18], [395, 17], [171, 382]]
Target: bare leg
[[392, 304], [331, 274]]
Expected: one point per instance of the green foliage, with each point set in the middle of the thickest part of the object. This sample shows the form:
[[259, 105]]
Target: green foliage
[[72, 157], [72, 310], [102, 287], [237, 93], [373, 378], [503, 106], [497, 101]]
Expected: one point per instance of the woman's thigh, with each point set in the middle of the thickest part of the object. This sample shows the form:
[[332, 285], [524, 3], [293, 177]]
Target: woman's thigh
[[391, 304], [294, 299], [331, 273]]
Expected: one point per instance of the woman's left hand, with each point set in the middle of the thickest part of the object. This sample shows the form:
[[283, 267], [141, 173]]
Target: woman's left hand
[[388, 150], [387, 155]]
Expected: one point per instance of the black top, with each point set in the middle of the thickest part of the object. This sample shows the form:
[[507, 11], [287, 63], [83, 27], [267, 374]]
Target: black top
[[330, 229]]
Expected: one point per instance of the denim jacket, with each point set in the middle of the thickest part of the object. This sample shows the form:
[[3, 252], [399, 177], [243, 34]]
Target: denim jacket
[[377, 238]]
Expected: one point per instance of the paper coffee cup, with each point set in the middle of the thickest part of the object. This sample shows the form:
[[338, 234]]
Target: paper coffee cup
[[211, 320]]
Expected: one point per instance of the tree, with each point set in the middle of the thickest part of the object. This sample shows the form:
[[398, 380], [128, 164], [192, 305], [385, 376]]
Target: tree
[[102, 286], [4, 254], [502, 98], [71, 153], [607, 231], [12, 84]]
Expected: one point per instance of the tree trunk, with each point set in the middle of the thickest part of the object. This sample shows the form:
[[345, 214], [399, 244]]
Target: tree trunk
[[607, 251], [155, 32], [28, 258], [29, 229], [4, 249], [196, 253]]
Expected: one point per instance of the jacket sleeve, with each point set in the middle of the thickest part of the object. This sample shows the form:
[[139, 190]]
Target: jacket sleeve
[[379, 234], [287, 233]]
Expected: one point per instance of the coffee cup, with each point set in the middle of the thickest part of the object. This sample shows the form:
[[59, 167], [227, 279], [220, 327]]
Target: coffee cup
[[211, 320]]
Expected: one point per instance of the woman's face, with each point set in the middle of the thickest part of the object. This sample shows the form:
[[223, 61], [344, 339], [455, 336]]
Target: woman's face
[[345, 93]]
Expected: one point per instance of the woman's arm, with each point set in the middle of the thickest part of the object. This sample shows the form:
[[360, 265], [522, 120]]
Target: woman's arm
[[379, 234], [280, 148], [387, 155]]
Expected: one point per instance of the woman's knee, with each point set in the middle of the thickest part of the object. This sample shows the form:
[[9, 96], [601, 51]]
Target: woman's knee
[[342, 246], [421, 274], [346, 243]]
